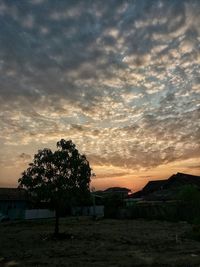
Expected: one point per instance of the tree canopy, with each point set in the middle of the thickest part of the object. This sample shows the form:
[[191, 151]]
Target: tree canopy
[[57, 177]]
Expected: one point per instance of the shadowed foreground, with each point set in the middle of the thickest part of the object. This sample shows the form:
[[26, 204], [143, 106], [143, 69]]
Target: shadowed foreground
[[99, 243]]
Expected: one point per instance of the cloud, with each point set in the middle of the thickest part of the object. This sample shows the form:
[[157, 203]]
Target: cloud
[[25, 157], [121, 79]]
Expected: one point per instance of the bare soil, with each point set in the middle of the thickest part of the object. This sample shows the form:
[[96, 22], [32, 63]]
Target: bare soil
[[98, 243]]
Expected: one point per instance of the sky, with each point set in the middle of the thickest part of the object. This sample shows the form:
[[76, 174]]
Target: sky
[[121, 79]]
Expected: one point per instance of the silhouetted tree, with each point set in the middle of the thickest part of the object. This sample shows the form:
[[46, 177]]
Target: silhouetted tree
[[189, 195], [58, 177]]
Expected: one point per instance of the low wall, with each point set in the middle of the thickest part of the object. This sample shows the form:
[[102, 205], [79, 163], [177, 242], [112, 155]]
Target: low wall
[[38, 214]]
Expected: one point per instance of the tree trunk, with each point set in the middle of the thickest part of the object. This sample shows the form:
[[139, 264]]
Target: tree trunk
[[56, 231]]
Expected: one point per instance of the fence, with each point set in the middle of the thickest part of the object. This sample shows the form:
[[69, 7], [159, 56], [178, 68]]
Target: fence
[[171, 211]]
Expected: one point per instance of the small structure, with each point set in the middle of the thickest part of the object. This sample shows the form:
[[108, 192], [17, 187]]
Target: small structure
[[120, 191], [13, 202]]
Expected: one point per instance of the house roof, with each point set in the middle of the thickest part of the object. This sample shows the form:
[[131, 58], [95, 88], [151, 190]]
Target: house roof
[[149, 188], [181, 179], [13, 194], [153, 186], [165, 189], [137, 194]]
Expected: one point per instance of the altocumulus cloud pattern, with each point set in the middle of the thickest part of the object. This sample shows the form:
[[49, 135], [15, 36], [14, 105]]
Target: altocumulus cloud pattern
[[119, 78]]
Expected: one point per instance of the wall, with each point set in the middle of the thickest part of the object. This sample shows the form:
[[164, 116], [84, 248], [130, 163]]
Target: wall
[[38, 214]]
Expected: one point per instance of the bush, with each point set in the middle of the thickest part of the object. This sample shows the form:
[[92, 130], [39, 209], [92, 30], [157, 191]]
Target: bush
[[190, 197]]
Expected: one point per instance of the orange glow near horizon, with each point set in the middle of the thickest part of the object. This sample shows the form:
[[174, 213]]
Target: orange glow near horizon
[[134, 180]]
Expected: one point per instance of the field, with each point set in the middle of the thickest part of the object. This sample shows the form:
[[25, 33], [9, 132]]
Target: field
[[98, 243]]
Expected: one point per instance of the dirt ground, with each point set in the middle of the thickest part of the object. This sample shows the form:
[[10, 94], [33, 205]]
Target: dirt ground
[[98, 243]]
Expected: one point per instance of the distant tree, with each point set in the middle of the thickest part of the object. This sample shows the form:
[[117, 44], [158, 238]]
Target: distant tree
[[58, 177], [190, 194]]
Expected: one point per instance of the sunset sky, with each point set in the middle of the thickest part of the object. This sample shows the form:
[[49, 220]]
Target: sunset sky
[[121, 79]]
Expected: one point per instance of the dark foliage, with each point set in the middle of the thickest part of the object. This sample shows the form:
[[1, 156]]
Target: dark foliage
[[60, 178], [112, 204]]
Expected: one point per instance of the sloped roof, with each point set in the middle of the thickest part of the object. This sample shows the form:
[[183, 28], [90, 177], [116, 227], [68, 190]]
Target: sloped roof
[[181, 179], [153, 186], [164, 189], [149, 188], [13, 194], [137, 194]]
